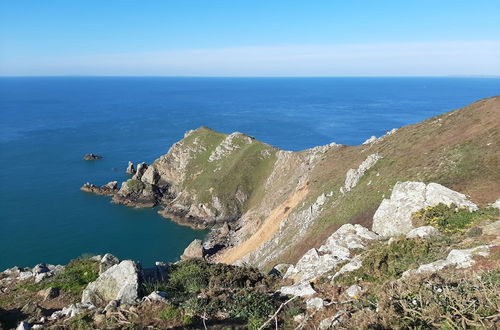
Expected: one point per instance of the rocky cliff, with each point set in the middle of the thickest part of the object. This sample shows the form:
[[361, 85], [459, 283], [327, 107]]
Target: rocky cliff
[[275, 205]]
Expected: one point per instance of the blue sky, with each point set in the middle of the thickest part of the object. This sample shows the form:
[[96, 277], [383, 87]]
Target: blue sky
[[249, 38]]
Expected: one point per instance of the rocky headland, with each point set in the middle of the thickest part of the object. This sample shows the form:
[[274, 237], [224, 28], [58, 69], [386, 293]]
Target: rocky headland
[[399, 232]]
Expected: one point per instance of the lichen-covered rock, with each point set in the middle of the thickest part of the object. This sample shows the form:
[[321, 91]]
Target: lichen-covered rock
[[120, 282], [336, 249], [423, 232], [394, 215], [354, 175], [456, 258], [302, 289], [194, 250]]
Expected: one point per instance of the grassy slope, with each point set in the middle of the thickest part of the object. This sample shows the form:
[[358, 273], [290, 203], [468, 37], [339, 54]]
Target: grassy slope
[[459, 150], [243, 169]]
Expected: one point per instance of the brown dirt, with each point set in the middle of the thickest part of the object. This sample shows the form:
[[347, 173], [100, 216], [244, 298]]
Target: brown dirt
[[269, 227]]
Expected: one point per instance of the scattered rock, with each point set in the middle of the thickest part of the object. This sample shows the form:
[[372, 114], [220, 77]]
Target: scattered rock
[[111, 307], [496, 204], [394, 215], [354, 291], [91, 156], [130, 168], [107, 262], [156, 296], [315, 304], [72, 310], [331, 322], [119, 282], [301, 289], [423, 232], [371, 140], [194, 250]]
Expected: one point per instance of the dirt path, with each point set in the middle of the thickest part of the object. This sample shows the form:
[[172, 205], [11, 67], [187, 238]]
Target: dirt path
[[270, 226]]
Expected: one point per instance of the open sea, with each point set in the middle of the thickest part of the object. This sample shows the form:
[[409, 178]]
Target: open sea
[[48, 124]]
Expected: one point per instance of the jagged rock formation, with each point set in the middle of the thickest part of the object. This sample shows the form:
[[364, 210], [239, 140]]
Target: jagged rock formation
[[91, 156], [394, 215], [109, 188], [130, 168]]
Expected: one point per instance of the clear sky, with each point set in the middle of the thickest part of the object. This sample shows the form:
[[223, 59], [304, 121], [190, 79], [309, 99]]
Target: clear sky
[[250, 38]]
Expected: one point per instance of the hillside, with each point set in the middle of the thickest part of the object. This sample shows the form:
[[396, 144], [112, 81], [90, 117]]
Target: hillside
[[278, 204], [400, 232]]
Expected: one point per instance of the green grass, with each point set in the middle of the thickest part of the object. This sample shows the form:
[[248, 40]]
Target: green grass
[[385, 262], [75, 277], [135, 185]]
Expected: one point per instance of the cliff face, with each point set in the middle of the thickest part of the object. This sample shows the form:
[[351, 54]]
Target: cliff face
[[279, 204]]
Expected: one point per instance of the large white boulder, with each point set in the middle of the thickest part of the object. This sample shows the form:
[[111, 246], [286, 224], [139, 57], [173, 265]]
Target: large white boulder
[[336, 249], [394, 215], [119, 282]]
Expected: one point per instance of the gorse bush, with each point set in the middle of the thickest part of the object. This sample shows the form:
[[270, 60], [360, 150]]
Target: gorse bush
[[190, 277], [452, 219]]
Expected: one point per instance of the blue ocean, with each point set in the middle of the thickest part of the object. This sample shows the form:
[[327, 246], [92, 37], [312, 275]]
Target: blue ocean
[[48, 124]]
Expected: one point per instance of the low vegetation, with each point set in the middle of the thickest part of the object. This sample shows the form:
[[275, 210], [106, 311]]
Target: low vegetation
[[75, 277], [452, 219]]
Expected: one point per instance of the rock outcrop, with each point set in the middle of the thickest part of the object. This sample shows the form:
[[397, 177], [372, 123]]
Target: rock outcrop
[[337, 249], [194, 250], [119, 282], [394, 215], [109, 188], [91, 156], [130, 168], [354, 175]]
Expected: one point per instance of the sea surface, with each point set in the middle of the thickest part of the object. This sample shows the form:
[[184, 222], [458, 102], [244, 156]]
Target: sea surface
[[48, 124]]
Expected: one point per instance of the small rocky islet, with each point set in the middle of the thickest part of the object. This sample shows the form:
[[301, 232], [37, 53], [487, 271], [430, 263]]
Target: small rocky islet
[[401, 231]]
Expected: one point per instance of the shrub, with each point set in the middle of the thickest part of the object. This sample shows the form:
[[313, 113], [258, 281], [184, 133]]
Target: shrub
[[169, 313], [252, 306], [452, 219], [190, 276]]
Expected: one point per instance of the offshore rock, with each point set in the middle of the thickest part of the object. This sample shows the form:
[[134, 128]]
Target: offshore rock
[[109, 188], [130, 168], [394, 215], [91, 156], [120, 282]]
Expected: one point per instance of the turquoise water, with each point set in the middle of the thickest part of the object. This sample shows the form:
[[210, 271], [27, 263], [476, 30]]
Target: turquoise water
[[48, 124]]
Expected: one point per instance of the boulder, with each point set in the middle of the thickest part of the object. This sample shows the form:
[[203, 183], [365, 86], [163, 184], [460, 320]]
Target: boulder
[[496, 204], [119, 282], [91, 156], [354, 291], [315, 304], [130, 168], [49, 293], [280, 269], [394, 215], [302, 289], [336, 250], [194, 250], [423, 232], [107, 261]]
